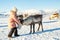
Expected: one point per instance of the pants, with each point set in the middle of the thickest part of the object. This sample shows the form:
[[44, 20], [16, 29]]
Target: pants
[[13, 30]]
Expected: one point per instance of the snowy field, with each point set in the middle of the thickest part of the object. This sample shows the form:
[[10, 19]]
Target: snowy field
[[51, 31]]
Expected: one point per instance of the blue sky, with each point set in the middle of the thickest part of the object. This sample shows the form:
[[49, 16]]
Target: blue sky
[[6, 5]]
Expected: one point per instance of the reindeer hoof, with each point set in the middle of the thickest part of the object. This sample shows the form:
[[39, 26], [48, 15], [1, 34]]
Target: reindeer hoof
[[30, 32], [37, 30], [42, 30], [33, 32]]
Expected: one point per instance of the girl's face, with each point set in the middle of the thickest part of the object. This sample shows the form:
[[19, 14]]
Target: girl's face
[[13, 13]]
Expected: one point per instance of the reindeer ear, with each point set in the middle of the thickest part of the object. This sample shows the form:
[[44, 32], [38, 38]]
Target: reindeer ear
[[26, 15]]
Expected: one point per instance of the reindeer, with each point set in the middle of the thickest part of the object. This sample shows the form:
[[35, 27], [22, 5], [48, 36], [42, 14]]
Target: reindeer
[[31, 20], [53, 16]]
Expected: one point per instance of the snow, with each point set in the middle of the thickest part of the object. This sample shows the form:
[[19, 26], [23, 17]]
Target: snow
[[51, 30]]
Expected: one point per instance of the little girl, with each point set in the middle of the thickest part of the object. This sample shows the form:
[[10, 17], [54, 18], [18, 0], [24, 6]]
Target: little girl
[[12, 22]]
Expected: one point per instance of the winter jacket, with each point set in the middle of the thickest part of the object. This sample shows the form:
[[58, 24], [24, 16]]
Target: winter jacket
[[12, 21]]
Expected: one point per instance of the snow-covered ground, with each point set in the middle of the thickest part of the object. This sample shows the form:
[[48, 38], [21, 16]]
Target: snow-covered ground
[[51, 31]]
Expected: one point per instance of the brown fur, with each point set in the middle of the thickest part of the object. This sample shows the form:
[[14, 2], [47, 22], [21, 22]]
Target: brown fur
[[55, 15]]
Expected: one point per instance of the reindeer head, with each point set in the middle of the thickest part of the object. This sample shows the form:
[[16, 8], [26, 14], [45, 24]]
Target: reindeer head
[[20, 16]]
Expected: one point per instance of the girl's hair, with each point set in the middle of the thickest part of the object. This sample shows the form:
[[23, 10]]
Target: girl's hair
[[13, 11]]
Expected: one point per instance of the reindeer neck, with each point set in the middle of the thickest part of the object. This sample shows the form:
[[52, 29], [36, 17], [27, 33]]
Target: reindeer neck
[[21, 21]]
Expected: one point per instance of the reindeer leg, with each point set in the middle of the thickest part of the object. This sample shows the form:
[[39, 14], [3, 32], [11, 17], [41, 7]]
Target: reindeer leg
[[33, 28], [38, 27], [30, 28], [41, 26]]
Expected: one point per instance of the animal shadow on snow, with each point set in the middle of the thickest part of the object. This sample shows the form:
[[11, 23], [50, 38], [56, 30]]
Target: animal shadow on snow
[[49, 30], [50, 21]]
